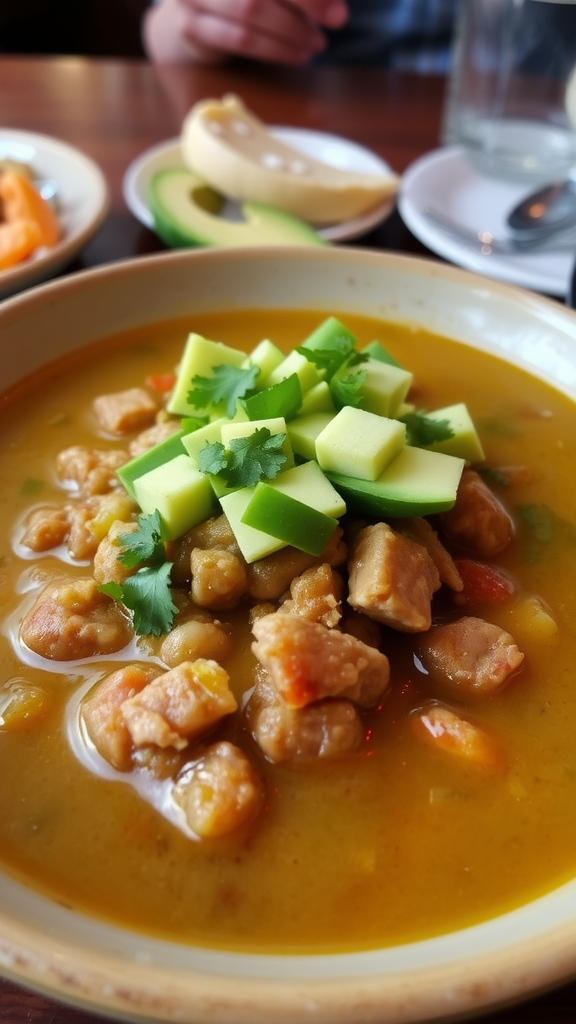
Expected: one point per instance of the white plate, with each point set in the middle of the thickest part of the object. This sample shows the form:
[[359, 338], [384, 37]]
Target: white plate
[[82, 197], [332, 149], [446, 180]]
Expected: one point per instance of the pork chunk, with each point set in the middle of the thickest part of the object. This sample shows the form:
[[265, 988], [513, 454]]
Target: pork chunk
[[470, 656], [107, 567], [219, 578], [103, 718], [220, 792], [179, 705], [72, 619], [327, 729], [317, 595], [270, 577], [125, 411], [90, 470], [477, 521], [306, 661], [392, 579], [45, 528], [420, 530]]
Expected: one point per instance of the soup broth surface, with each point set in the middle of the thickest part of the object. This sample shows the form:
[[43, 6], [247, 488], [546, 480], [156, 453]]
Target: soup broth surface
[[386, 846]]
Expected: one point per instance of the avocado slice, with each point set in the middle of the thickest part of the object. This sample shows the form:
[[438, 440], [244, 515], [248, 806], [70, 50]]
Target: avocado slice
[[187, 212]]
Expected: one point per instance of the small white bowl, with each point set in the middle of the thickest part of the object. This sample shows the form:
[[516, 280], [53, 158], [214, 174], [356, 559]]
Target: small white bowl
[[82, 203], [108, 969]]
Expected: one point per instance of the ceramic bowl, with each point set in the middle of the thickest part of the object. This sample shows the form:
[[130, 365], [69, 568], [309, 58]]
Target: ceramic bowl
[[82, 201], [129, 976]]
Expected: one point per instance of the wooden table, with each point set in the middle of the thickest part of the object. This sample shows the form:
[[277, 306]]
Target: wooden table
[[113, 110]]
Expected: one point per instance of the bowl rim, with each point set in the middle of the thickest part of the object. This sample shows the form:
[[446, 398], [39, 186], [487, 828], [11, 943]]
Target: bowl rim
[[109, 974]]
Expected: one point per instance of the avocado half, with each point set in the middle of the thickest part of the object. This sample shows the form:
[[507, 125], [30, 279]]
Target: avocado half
[[187, 212]]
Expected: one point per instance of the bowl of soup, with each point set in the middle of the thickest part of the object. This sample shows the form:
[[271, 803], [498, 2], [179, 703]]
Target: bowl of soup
[[332, 777]]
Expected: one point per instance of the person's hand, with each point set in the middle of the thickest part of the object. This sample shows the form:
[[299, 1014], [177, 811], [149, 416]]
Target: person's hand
[[209, 31]]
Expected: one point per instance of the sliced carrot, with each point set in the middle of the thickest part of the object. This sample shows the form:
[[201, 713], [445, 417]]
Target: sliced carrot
[[21, 201], [18, 240], [161, 382], [450, 734]]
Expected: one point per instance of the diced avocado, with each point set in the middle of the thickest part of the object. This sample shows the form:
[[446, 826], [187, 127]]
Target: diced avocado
[[200, 357], [182, 495], [156, 456], [464, 443], [281, 399], [266, 356], [359, 443], [377, 351], [305, 483], [296, 363], [418, 482], [197, 439], [384, 387], [309, 484], [288, 519], [253, 544], [317, 399], [326, 334], [187, 212], [275, 424], [304, 430]]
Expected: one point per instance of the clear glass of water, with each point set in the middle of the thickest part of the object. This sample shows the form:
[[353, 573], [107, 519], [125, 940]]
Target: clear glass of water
[[511, 96]]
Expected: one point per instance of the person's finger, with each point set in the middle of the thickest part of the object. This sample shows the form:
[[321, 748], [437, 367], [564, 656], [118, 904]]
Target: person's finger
[[268, 30]]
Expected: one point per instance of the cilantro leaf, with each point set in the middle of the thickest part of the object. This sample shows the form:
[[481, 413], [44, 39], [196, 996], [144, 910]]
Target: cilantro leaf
[[247, 460], [346, 390], [148, 596], [335, 356], [212, 458], [227, 384], [424, 430], [143, 545]]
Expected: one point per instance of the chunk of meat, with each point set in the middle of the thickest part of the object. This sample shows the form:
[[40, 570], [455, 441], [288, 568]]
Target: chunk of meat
[[82, 541], [270, 577], [102, 716], [327, 729], [152, 436], [477, 521], [219, 578], [420, 530], [179, 705], [452, 735], [392, 579], [306, 661], [212, 533], [193, 639], [219, 793], [45, 528], [72, 619], [470, 656], [317, 595], [107, 567], [90, 470], [123, 412]]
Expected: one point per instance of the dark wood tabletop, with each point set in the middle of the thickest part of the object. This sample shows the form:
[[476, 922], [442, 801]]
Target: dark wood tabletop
[[113, 110]]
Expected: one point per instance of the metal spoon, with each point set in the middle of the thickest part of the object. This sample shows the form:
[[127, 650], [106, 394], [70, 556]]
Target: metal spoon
[[548, 210], [487, 244]]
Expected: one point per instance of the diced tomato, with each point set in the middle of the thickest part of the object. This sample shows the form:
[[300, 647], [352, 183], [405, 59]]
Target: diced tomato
[[162, 382], [482, 583]]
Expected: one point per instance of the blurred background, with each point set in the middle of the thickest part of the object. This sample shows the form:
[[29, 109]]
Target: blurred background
[[96, 28]]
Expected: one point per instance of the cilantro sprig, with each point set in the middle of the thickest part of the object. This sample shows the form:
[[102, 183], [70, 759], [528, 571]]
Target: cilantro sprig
[[334, 360], [146, 593], [246, 460], [227, 384], [423, 430]]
